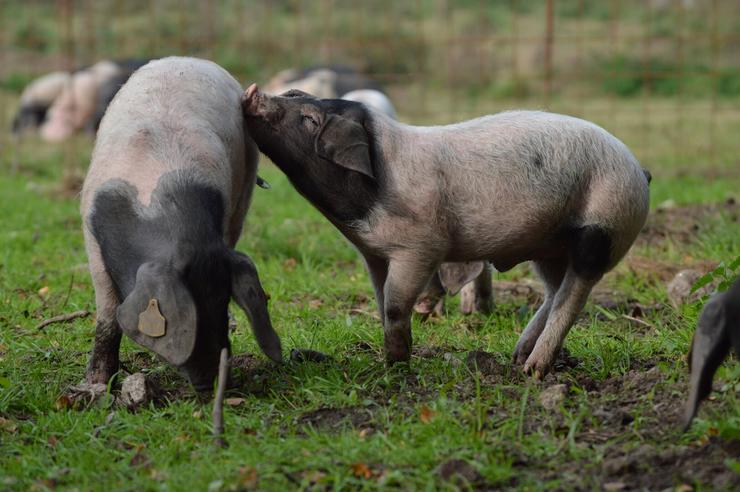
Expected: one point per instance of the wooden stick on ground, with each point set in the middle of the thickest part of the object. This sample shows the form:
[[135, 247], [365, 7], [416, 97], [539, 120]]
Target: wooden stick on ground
[[62, 318], [218, 401]]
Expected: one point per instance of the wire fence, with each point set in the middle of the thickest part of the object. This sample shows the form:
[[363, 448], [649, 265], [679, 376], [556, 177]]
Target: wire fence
[[663, 75]]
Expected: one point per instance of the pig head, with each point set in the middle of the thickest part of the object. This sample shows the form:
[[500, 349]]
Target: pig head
[[175, 275]]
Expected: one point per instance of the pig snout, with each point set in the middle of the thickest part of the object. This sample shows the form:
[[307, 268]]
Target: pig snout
[[250, 100], [256, 104]]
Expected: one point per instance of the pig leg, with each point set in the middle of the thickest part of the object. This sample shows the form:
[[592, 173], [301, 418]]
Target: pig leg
[[566, 304], [406, 279], [432, 299], [478, 294], [104, 361], [551, 273], [377, 268]]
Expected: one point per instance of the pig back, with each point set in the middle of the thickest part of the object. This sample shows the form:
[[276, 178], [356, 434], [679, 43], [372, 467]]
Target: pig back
[[176, 113]]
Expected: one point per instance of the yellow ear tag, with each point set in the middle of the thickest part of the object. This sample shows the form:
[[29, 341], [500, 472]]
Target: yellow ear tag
[[151, 321]]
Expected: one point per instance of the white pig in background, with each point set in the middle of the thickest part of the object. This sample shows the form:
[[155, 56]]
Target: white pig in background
[[375, 99], [163, 206]]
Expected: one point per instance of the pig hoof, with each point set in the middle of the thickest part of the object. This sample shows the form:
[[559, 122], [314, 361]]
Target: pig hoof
[[467, 302], [521, 354], [100, 375], [397, 353], [484, 306], [536, 368], [429, 307]]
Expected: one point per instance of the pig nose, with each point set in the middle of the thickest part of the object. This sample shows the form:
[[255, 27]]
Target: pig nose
[[251, 90], [250, 97]]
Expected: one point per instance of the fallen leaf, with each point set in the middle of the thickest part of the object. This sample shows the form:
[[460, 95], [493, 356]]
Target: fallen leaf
[[315, 303], [365, 432], [63, 402], [248, 476], [52, 441], [198, 414], [290, 264], [8, 425], [426, 414], [361, 470], [234, 402], [43, 291]]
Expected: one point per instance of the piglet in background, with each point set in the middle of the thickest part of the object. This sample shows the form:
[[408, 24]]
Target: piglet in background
[[37, 98], [163, 206], [718, 330]]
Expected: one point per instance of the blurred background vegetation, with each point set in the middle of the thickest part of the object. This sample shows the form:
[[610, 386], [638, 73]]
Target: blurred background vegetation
[[663, 75]]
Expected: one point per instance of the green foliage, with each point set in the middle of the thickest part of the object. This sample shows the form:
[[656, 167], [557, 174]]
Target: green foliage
[[629, 76]]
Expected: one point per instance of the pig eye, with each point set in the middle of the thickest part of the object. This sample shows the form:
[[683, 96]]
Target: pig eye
[[310, 122]]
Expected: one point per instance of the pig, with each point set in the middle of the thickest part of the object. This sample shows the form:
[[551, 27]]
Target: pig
[[163, 205], [37, 98], [109, 87], [370, 97], [85, 98], [718, 330], [506, 188], [471, 279], [323, 81], [75, 106]]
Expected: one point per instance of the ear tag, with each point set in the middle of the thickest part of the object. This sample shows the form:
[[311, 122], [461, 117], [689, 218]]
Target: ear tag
[[151, 321]]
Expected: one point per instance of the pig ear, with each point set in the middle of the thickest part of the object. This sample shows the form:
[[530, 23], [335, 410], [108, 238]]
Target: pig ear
[[455, 275], [709, 348], [160, 313], [247, 292], [345, 143]]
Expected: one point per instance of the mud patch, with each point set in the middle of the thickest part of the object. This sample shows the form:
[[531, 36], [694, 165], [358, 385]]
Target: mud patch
[[331, 419], [683, 224], [657, 467]]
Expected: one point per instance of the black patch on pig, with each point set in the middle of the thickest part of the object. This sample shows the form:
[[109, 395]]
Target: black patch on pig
[[183, 221], [344, 195], [30, 115], [183, 228], [537, 162], [590, 251]]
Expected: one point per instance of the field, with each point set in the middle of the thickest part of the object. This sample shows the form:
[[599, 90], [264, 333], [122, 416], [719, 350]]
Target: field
[[459, 415]]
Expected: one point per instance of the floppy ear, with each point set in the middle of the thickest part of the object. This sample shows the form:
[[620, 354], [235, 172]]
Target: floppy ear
[[344, 142], [247, 292], [455, 275], [160, 313]]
